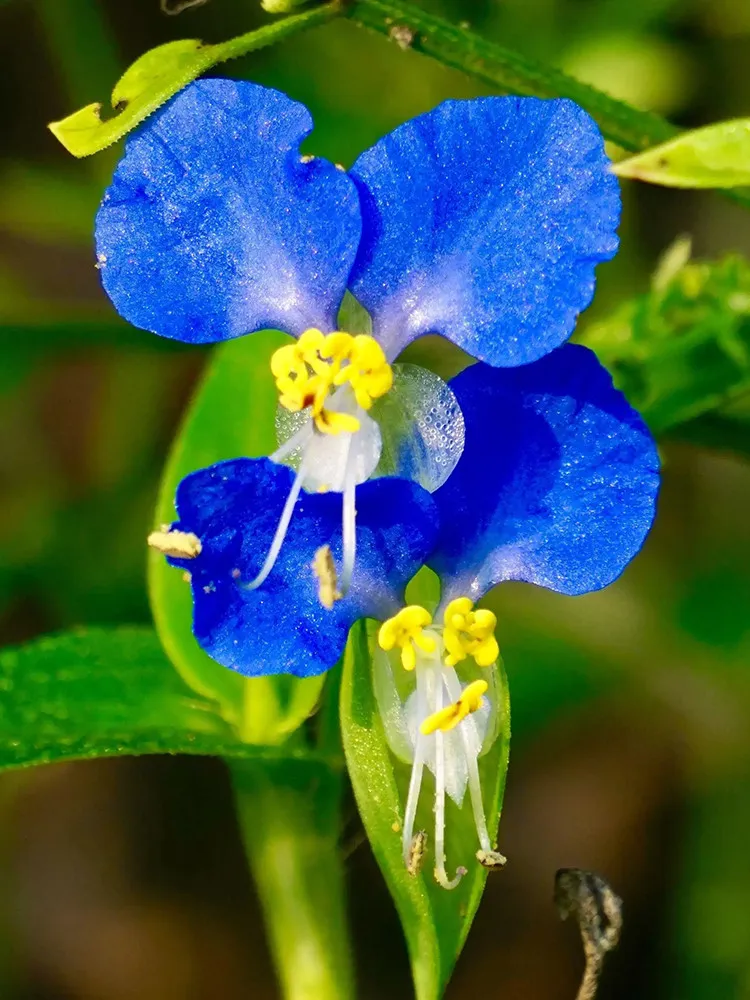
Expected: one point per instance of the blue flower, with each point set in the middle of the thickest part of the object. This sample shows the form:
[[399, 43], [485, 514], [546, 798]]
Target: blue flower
[[481, 220], [556, 486]]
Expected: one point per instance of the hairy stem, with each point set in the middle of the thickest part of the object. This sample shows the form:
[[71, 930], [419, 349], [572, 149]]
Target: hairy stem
[[512, 72]]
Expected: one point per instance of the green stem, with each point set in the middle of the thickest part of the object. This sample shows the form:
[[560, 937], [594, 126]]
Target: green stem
[[289, 818], [511, 72], [162, 72]]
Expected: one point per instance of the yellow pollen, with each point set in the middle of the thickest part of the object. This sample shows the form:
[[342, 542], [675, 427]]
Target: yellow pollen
[[406, 630], [324, 569], [469, 633], [177, 544], [308, 371], [448, 718]]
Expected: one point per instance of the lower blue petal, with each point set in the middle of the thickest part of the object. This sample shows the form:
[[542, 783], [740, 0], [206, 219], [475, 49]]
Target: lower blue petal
[[557, 483], [281, 627]]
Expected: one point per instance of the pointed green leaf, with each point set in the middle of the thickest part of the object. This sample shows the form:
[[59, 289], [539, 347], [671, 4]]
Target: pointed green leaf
[[435, 921], [232, 415], [717, 156], [101, 693], [162, 72]]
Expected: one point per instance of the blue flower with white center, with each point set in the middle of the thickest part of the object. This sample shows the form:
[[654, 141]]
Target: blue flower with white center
[[556, 486], [482, 221]]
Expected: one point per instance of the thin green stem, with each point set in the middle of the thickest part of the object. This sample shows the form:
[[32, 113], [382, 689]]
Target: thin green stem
[[511, 72], [289, 818], [270, 34], [162, 72]]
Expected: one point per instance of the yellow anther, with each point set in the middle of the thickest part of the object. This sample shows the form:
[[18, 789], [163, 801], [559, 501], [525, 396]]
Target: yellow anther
[[448, 718], [308, 371], [177, 544], [331, 422], [469, 633], [368, 372], [406, 630], [324, 569]]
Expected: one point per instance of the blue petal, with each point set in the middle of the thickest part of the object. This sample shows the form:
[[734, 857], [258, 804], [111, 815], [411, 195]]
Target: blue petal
[[214, 227], [483, 221], [558, 480], [281, 627]]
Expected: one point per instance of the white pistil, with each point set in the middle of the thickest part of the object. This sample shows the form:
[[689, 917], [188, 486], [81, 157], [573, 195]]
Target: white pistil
[[281, 529]]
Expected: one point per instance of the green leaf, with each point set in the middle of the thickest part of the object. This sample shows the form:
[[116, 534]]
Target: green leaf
[[717, 156], [160, 73], [232, 415], [682, 351], [101, 693], [435, 921]]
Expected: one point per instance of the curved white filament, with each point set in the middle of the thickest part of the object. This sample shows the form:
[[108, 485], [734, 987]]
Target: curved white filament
[[471, 743], [475, 791], [282, 528]]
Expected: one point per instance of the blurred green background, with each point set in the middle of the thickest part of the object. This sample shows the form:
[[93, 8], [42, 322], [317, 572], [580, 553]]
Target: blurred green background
[[631, 754]]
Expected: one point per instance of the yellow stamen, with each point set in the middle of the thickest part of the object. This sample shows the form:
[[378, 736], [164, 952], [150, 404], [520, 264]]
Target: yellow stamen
[[324, 569], [331, 422], [469, 633], [177, 544], [307, 372], [448, 718], [405, 630]]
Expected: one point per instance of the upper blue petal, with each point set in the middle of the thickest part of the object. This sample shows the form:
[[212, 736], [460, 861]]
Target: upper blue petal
[[282, 627], [557, 484], [214, 227], [483, 221]]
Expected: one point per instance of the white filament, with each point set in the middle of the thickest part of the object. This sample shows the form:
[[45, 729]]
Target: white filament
[[349, 526], [471, 745], [281, 529]]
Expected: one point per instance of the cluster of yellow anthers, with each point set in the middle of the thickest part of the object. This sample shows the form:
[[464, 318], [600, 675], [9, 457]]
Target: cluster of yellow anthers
[[465, 633], [469, 633], [308, 371]]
